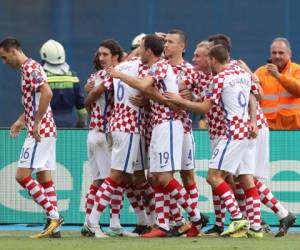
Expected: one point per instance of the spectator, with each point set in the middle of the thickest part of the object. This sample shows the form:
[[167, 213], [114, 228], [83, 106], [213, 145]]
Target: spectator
[[280, 80], [65, 86]]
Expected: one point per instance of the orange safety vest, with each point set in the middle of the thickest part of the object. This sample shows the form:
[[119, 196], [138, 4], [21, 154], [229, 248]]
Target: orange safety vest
[[280, 107]]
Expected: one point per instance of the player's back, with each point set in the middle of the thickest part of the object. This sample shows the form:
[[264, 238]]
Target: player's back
[[236, 92]]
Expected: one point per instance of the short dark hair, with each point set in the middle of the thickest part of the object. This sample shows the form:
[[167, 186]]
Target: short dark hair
[[220, 53], [181, 34], [221, 39], [154, 43], [9, 43]]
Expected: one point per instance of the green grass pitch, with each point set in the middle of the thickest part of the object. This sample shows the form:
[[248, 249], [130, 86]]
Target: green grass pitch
[[74, 241]]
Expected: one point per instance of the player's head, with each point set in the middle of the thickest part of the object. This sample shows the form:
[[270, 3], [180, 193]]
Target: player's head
[[10, 49], [281, 52], [218, 55], [201, 59], [220, 39], [109, 54], [53, 52], [175, 43], [152, 46]]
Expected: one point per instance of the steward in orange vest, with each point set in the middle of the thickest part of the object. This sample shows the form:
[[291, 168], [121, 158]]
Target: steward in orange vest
[[280, 81]]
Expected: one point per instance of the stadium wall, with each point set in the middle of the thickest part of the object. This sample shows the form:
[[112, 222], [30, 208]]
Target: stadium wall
[[72, 178], [81, 25]]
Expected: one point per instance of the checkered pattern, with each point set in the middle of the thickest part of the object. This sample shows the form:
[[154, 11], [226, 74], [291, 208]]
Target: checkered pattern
[[102, 198], [183, 199], [260, 118], [51, 193], [33, 77], [158, 72], [176, 216], [253, 208], [185, 73], [222, 124], [162, 207], [220, 210], [116, 204], [216, 115], [90, 199], [124, 117], [268, 199], [37, 192], [240, 198], [224, 191], [193, 192], [101, 110]]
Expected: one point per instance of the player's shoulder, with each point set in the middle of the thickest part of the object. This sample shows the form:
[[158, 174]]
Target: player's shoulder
[[32, 65]]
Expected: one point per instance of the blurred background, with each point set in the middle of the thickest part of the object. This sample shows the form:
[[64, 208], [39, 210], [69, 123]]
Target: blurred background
[[81, 25]]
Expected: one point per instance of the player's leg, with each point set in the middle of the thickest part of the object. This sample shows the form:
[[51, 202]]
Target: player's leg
[[226, 157]]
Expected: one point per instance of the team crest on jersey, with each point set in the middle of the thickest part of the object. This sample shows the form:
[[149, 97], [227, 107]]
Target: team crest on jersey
[[37, 77]]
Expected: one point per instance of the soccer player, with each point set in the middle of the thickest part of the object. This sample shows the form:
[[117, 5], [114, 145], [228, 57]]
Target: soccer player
[[126, 129], [230, 89], [175, 45], [38, 152], [286, 218], [167, 136], [109, 54]]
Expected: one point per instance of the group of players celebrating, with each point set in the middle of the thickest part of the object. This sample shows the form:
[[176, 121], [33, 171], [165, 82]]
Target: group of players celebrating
[[140, 121], [140, 135]]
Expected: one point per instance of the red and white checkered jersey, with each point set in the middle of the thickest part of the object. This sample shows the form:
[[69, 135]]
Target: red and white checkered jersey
[[165, 80], [101, 109], [185, 75], [230, 90], [260, 117], [33, 77], [126, 117]]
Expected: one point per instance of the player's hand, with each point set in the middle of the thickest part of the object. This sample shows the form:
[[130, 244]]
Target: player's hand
[[15, 129], [161, 35], [35, 131], [138, 100], [253, 130], [172, 97], [186, 94], [273, 70], [113, 72], [89, 86]]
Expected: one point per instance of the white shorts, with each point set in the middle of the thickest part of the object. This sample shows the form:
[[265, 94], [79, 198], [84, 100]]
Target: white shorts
[[166, 147], [142, 160], [125, 150], [39, 156], [234, 156], [99, 154], [262, 154], [188, 152]]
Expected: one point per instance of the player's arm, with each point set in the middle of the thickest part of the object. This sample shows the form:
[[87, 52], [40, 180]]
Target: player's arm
[[252, 112], [93, 95], [17, 126], [198, 107], [144, 85], [45, 99], [89, 86]]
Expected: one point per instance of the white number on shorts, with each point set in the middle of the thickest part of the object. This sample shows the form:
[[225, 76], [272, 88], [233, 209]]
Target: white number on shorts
[[190, 156], [163, 157], [25, 154], [120, 91], [215, 153]]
